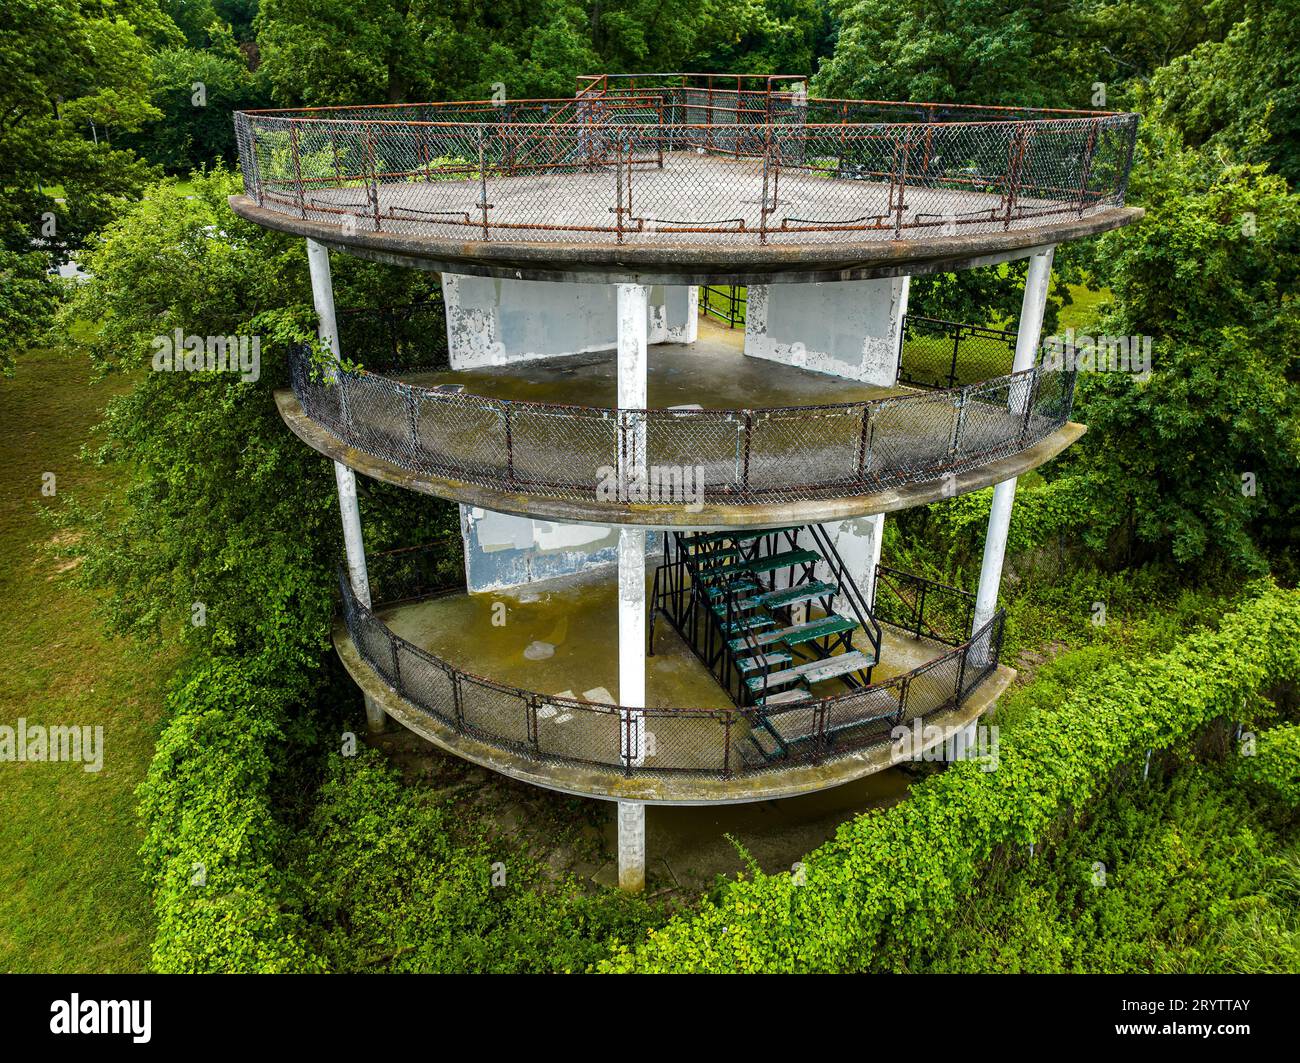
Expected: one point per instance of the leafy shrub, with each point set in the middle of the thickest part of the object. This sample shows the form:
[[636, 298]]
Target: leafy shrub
[[1156, 878], [888, 881], [390, 885], [1276, 763], [211, 840]]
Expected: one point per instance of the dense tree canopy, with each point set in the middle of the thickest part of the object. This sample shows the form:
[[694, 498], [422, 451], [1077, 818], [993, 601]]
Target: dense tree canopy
[[1212, 276]]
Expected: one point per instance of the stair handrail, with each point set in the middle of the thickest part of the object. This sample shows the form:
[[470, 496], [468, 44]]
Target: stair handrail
[[887, 576], [848, 587]]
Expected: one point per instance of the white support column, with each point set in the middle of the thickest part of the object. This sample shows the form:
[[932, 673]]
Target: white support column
[[995, 547], [631, 640], [842, 328], [346, 482], [632, 302], [322, 291], [1028, 336], [632, 299], [631, 846], [691, 325]]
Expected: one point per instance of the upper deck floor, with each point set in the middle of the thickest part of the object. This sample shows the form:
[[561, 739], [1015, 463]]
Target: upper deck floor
[[686, 178]]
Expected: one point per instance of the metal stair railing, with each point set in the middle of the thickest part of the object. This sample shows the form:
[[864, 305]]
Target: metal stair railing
[[866, 619], [958, 604]]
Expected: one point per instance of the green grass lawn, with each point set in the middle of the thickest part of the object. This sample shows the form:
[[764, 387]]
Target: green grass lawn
[[71, 898], [1082, 312]]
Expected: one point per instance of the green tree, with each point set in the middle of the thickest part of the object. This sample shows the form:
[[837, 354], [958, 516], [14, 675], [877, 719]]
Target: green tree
[[196, 91], [1055, 53], [1223, 91], [73, 76], [216, 477], [1211, 275], [28, 299]]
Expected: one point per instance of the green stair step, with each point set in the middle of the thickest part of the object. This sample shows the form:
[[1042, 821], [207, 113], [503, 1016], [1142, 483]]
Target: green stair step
[[818, 629], [708, 538], [767, 747], [805, 592], [770, 563], [785, 697], [814, 671], [748, 623], [719, 590], [800, 633], [790, 727], [761, 661], [720, 553]]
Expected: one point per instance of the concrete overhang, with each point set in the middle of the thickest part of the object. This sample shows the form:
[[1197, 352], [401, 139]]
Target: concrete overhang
[[667, 515], [683, 263]]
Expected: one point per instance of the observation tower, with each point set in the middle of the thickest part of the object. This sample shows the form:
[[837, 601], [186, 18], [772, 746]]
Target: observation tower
[[671, 529]]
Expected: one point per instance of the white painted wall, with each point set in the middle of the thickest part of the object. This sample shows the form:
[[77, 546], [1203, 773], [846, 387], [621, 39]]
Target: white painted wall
[[495, 322], [857, 541], [503, 551], [843, 328]]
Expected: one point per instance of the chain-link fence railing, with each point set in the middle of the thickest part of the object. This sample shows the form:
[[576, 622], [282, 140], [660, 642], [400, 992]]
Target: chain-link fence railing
[[396, 339], [728, 304], [412, 573], [666, 741], [684, 163], [735, 457]]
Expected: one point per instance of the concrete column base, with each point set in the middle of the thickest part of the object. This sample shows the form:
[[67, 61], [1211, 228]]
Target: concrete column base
[[376, 718], [847, 328], [493, 321], [857, 541], [631, 846]]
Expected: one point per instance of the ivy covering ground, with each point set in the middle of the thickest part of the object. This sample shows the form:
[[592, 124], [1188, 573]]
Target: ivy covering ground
[[889, 882]]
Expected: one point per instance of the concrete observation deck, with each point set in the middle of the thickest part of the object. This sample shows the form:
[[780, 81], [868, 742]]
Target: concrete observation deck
[[555, 416], [559, 650], [669, 180]]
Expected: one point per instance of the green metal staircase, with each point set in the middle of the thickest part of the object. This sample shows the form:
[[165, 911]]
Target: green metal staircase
[[753, 608]]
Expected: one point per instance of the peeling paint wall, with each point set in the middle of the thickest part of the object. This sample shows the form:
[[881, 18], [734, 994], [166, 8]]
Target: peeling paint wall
[[502, 550], [845, 328], [857, 541], [491, 321]]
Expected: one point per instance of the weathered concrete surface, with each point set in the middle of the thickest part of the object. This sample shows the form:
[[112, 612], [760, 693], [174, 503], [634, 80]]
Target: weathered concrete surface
[[712, 372], [851, 329], [493, 322], [503, 550], [667, 515], [858, 543], [708, 262], [609, 785]]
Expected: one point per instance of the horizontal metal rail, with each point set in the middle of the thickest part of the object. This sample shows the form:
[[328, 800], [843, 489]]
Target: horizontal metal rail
[[727, 304], [925, 607], [664, 159], [938, 353]]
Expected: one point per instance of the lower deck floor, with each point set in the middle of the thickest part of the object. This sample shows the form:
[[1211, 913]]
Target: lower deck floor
[[525, 682]]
